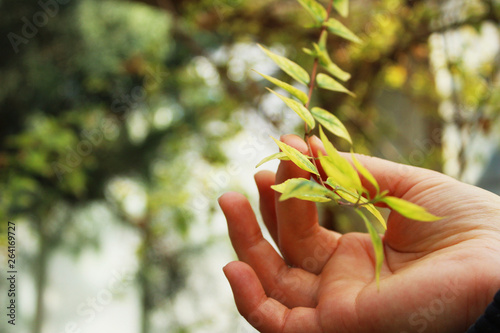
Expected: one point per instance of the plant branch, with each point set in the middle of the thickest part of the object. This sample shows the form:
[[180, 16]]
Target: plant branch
[[307, 131]]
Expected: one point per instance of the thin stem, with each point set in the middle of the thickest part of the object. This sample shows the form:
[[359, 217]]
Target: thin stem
[[307, 131], [316, 60], [313, 81]]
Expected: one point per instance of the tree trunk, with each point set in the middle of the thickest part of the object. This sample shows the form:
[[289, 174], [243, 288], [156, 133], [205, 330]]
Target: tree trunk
[[41, 279], [144, 278]]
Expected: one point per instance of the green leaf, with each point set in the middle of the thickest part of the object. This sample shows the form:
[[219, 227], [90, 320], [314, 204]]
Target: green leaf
[[378, 246], [297, 157], [337, 167], [309, 52], [409, 209], [327, 82], [342, 6], [298, 108], [335, 27], [317, 11], [302, 96], [322, 42], [375, 212], [327, 63], [331, 123], [364, 172], [303, 189], [291, 68], [281, 156]]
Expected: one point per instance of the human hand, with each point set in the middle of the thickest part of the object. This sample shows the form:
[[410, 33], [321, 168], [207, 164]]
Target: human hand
[[436, 277]]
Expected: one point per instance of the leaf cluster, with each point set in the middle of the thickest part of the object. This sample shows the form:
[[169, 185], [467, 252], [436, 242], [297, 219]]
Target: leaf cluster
[[344, 182]]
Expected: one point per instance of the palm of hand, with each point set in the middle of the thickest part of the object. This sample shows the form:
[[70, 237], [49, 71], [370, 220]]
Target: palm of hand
[[436, 277]]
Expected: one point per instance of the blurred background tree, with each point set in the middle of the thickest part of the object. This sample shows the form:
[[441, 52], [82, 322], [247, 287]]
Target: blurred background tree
[[138, 114]]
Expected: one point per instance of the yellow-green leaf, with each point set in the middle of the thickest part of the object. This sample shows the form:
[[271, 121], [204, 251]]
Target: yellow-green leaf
[[326, 82], [309, 52], [378, 246], [364, 172], [331, 123], [281, 156], [298, 108], [329, 65], [315, 9], [322, 42], [301, 96], [297, 157], [291, 68], [335, 27], [358, 199], [303, 189], [337, 167], [329, 148], [409, 209], [342, 6], [374, 211]]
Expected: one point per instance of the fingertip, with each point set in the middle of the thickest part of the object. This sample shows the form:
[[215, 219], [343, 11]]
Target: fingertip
[[289, 136], [222, 198], [315, 140], [264, 178], [241, 277], [231, 266], [228, 269], [230, 202], [230, 197], [288, 169], [316, 145], [263, 173]]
